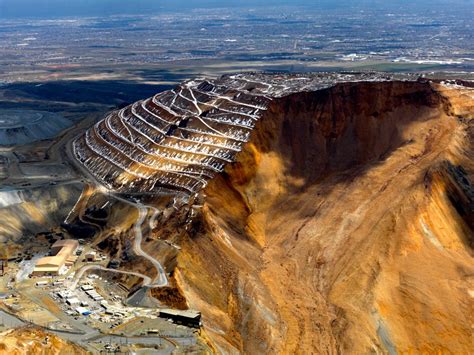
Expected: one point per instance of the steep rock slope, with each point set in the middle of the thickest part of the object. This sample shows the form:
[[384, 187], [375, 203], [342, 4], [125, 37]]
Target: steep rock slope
[[176, 141], [26, 212], [345, 225]]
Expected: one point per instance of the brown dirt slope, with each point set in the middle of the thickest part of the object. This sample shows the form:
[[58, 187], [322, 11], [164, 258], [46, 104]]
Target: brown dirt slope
[[170, 296], [345, 226], [33, 341]]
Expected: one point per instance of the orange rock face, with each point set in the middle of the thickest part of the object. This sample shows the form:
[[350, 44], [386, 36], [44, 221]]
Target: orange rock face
[[345, 225]]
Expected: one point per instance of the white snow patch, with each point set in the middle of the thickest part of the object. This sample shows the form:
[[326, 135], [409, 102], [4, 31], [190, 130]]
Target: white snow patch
[[9, 198], [429, 234]]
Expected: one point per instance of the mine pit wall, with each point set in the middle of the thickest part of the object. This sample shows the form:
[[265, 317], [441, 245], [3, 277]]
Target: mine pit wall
[[23, 213], [248, 277], [347, 125]]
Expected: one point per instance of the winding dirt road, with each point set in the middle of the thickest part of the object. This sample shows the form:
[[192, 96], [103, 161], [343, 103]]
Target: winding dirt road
[[160, 279]]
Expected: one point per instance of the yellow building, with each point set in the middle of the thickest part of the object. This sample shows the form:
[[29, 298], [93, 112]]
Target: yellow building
[[62, 255]]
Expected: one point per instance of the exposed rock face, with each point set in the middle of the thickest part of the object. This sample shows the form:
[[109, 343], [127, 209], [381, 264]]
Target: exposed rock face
[[345, 225], [25, 212], [179, 139]]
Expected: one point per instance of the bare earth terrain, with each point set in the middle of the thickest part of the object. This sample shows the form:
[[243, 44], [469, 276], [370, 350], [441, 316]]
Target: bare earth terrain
[[308, 213], [236, 177], [35, 341], [346, 225]]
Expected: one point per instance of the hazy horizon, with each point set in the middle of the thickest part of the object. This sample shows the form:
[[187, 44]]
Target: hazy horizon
[[64, 8]]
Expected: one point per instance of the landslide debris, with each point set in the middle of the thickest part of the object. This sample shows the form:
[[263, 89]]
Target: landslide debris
[[344, 226]]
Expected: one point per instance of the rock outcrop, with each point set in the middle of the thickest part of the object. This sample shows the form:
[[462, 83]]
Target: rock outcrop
[[344, 226]]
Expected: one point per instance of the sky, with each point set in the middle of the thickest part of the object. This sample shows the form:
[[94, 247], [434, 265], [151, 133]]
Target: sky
[[59, 8]]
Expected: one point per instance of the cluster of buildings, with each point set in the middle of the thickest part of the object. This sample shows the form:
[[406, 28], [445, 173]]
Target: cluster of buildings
[[62, 256]]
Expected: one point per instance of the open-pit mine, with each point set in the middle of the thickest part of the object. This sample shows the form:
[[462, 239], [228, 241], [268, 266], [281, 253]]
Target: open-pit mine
[[179, 139], [251, 213]]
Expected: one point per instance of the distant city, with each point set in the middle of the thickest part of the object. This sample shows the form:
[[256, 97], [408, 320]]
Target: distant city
[[279, 38]]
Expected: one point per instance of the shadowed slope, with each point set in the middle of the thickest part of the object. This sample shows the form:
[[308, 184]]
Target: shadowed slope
[[344, 226]]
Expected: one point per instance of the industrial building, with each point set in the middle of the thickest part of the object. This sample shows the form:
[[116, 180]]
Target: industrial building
[[91, 256], [94, 295], [189, 318], [62, 256], [86, 288], [83, 311], [73, 301]]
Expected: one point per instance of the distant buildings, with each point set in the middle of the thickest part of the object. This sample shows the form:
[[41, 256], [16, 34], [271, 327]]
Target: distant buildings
[[62, 255]]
